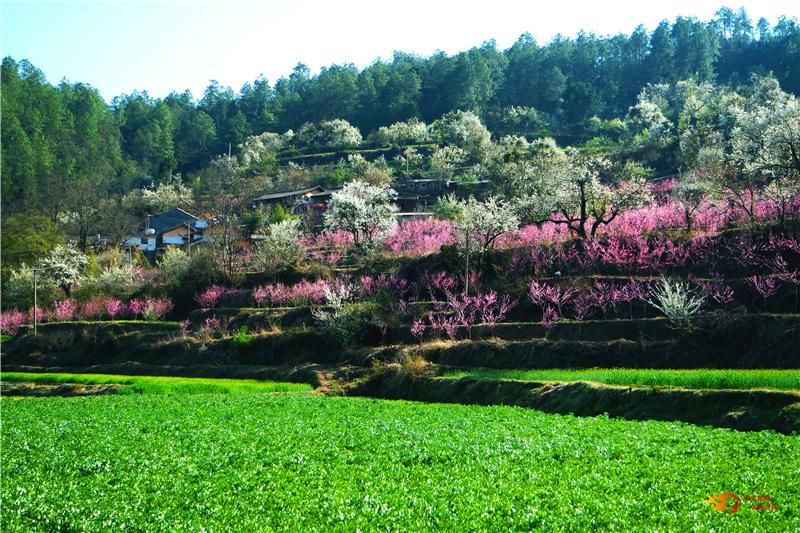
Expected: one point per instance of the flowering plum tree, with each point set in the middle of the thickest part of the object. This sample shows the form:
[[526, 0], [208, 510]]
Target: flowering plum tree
[[64, 267], [764, 146], [464, 130], [334, 134], [480, 225], [564, 187], [690, 191], [363, 210], [281, 245], [414, 131]]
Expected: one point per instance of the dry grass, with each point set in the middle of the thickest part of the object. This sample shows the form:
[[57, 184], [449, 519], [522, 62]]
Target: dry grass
[[440, 344], [416, 365]]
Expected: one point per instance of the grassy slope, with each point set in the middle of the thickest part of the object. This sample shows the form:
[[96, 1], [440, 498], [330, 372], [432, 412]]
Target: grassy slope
[[161, 385], [300, 462], [691, 379]]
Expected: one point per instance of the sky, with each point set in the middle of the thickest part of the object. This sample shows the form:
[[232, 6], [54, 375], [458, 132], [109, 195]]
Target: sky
[[119, 47]]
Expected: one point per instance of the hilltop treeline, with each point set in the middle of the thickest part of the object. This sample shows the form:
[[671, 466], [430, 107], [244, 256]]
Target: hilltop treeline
[[64, 145]]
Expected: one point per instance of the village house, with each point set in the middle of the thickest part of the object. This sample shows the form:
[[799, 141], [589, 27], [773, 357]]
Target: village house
[[175, 227], [288, 199]]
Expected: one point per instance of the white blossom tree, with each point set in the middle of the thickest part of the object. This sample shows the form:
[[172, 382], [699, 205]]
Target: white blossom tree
[[334, 134], [258, 152], [464, 130], [408, 158], [651, 131], [564, 187], [374, 172], [445, 160], [764, 146], [691, 191], [480, 224], [363, 210], [280, 245], [413, 131], [64, 267], [164, 197], [766, 136]]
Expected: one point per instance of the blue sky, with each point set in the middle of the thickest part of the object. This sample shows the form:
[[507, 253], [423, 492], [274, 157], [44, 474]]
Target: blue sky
[[119, 47]]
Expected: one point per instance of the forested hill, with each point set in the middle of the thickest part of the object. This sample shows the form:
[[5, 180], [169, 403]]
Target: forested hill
[[54, 133]]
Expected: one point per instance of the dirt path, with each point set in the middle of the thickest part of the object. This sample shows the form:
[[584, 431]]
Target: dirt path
[[324, 383]]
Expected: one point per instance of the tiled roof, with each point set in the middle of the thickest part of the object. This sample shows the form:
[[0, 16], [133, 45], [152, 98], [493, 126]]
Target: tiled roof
[[286, 194], [170, 219]]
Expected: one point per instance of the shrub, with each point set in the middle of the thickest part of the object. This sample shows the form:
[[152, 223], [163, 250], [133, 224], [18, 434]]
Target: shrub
[[416, 365], [346, 322], [64, 310], [173, 266], [677, 301], [18, 289], [210, 297], [115, 308], [213, 326], [241, 337], [11, 320], [156, 308], [93, 309]]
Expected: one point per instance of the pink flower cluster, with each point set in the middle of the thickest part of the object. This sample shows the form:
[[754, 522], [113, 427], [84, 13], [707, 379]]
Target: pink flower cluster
[[97, 308], [461, 312], [303, 292], [708, 220], [715, 289], [115, 308], [420, 237], [64, 310], [211, 296], [329, 246], [533, 234], [398, 286], [439, 285], [150, 308], [602, 296], [11, 320], [211, 326]]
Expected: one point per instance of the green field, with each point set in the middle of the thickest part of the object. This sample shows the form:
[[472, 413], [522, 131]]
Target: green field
[[690, 379], [160, 385], [305, 462]]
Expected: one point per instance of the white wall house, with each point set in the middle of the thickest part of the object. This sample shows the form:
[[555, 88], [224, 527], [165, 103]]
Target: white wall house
[[175, 227]]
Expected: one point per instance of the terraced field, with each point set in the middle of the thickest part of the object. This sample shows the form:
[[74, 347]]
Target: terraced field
[[307, 462], [157, 384], [690, 379]]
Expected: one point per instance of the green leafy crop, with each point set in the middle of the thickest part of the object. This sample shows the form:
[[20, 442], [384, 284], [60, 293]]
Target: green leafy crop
[[302, 462]]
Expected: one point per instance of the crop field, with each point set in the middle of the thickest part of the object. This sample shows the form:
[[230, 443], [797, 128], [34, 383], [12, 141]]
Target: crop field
[[306, 462], [690, 379], [160, 385]]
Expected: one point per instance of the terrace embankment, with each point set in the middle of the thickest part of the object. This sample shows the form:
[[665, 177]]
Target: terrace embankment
[[56, 389], [748, 341], [751, 410], [305, 354]]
